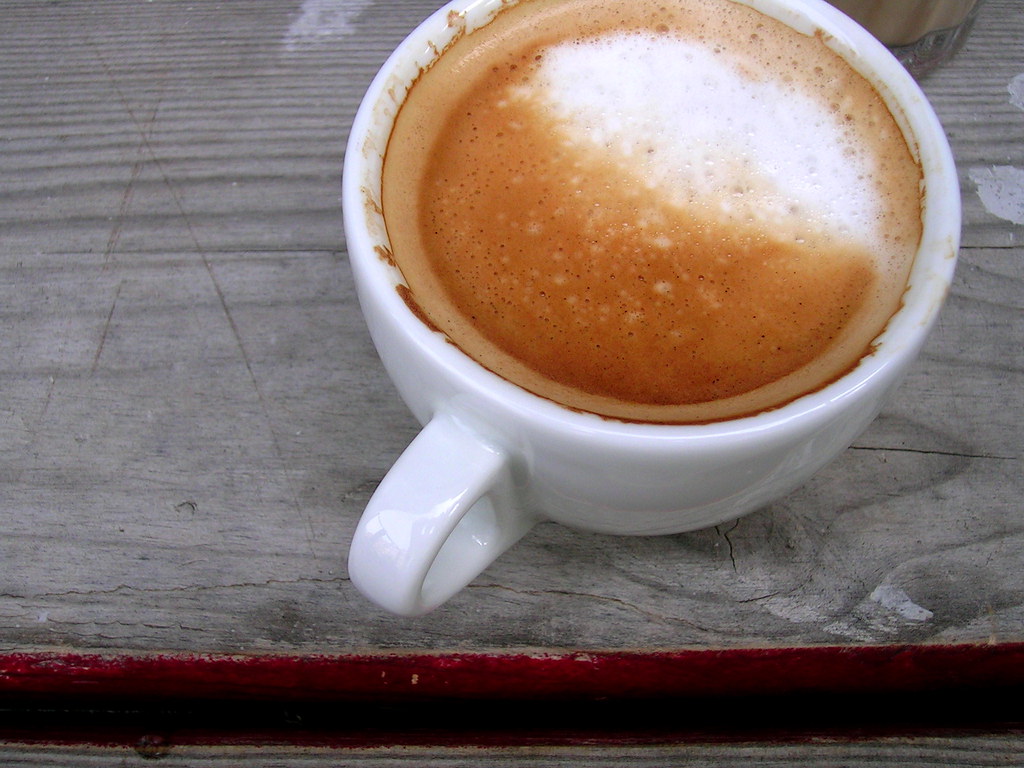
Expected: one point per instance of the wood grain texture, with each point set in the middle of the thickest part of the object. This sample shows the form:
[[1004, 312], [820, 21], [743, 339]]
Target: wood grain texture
[[193, 416], [963, 752]]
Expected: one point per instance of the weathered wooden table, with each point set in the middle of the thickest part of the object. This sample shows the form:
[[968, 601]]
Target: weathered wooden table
[[192, 418]]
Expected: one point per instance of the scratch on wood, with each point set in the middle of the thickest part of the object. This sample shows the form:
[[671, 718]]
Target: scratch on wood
[[927, 452], [725, 535], [50, 386], [129, 192], [106, 328], [128, 588]]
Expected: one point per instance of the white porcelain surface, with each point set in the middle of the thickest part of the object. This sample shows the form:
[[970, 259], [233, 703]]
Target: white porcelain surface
[[494, 459]]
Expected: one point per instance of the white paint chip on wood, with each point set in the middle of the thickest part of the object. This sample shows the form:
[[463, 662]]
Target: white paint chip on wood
[[1016, 89], [321, 20], [898, 601], [1001, 189]]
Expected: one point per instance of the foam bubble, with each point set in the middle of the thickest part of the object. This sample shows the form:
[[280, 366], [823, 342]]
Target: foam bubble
[[688, 121]]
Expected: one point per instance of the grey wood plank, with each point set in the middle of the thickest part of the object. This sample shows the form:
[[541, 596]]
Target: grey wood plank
[[965, 751], [193, 416]]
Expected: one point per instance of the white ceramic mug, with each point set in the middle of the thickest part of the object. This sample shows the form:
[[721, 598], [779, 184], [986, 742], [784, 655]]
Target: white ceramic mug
[[493, 460]]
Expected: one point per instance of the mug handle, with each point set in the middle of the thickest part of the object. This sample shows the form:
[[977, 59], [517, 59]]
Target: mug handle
[[441, 515]]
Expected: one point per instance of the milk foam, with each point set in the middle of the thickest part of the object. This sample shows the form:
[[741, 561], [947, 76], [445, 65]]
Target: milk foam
[[681, 118]]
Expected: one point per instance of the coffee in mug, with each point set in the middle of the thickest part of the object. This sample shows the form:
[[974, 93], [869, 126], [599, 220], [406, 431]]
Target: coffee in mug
[[672, 212]]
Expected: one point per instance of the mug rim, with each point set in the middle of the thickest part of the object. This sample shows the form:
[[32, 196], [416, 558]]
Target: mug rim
[[893, 348]]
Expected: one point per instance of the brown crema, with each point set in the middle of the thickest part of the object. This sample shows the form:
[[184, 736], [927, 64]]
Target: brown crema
[[551, 264]]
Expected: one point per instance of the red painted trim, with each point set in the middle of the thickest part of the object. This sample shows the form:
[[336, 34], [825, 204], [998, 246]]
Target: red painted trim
[[155, 703], [415, 676]]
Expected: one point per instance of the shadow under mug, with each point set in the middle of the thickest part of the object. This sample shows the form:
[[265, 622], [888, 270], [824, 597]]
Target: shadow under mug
[[493, 460]]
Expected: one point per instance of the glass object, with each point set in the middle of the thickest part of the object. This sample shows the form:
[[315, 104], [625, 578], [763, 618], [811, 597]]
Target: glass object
[[922, 34]]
